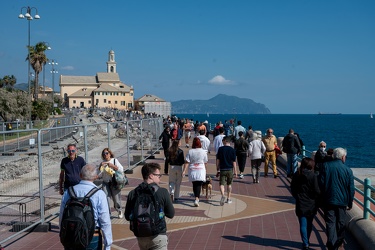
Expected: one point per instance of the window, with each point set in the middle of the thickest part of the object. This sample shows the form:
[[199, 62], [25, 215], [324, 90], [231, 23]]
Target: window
[[122, 103], [74, 101], [109, 102], [130, 105], [131, 94], [105, 100], [89, 101], [115, 102]]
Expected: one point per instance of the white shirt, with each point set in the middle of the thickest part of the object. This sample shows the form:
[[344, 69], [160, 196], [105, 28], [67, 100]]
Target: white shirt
[[205, 142], [218, 142], [105, 176], [197, 157]]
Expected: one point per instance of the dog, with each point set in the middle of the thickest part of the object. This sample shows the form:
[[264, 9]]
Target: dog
[[207, 186]]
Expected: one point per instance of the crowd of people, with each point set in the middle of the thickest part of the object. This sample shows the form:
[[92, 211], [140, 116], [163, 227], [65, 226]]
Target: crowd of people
[[324, 182]]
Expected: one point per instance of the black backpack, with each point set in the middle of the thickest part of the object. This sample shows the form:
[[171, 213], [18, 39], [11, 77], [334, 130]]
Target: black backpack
[[78, 223], [147, 218]]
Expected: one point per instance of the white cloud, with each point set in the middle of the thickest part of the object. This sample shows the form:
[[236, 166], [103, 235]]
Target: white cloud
[[220, 80], [68, 68]]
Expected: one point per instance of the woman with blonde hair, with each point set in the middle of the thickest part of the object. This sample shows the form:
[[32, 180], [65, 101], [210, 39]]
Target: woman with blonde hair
[[111, 164]]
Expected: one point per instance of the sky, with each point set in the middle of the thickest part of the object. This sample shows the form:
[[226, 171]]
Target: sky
[[293, 56]]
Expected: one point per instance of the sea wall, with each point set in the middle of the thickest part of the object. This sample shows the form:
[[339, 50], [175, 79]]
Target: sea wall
[[363, 230]]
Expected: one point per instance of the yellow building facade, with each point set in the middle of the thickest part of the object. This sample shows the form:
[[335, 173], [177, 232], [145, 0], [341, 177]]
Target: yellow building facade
[[104, 90]]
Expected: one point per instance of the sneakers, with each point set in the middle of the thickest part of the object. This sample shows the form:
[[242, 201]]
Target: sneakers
[[229, 201], [275, 176], [222, 200], [187, 145], [120, 214], [196, 203], [241, 176], [257, 180]]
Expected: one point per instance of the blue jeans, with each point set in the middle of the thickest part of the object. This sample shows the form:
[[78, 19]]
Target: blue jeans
[[291, 166], [305, 228]]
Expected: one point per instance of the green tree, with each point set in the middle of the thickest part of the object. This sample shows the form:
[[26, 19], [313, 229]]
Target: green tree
[[37, 60], [14, 104], [41, 108]]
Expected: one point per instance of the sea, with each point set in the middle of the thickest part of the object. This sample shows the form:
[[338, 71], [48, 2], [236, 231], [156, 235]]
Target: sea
[[353, 132]]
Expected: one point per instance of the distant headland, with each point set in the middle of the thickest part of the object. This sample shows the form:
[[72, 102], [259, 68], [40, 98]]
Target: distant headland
[[220, 104]]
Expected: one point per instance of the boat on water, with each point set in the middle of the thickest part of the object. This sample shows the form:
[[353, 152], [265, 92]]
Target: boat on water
[[371, 116]]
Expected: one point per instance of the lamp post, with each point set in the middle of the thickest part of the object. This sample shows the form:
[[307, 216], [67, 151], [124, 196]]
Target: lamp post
[[44, 73], [29, 18], [27, 10], [53, 72]]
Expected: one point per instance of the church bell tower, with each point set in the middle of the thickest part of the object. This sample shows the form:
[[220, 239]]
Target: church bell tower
[[111, 63]]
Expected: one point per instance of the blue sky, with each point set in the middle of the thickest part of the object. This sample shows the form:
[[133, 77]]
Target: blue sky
[[294, 56]]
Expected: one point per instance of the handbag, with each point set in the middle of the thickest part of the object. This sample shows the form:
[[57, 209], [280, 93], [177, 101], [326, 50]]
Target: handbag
[[119, 179]]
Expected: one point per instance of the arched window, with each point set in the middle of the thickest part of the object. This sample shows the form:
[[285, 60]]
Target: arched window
[[112, 69]]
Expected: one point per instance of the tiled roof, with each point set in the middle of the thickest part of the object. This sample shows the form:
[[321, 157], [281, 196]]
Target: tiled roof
[[84, 92], [150, 98], [111, 88], [78, 79], [108, 77]]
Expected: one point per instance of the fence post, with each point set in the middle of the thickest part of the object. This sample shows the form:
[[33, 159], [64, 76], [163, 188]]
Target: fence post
[[127, 141], [85, 143], [303, 151], [366, 198], [40, 168], [108, 135], [141, 128]]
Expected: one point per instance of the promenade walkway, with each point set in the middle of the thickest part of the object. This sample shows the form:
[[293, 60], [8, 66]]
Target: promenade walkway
[[260, 217]]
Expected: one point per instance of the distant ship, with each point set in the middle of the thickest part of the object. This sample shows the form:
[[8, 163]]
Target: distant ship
[[324, 113], [371, 116]]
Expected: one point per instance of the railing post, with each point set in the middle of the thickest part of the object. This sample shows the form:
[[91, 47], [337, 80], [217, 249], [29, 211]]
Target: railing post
[[108, 135], [127, 141], [141, 128], [303, 151], [366, 198]]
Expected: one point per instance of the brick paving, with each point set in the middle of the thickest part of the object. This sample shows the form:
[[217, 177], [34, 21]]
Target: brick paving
[[260, 217]]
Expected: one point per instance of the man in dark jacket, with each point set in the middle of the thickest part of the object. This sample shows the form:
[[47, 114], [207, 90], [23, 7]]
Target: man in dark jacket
[[336, 183], [292, 148], [241, 146], [165, 138]]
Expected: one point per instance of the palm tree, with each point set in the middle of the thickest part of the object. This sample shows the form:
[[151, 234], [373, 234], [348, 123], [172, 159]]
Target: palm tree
[[37, 59], [8, 81]]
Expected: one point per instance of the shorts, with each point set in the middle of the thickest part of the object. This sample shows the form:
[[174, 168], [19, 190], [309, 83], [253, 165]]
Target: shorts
[[226, 177], [187, 134]]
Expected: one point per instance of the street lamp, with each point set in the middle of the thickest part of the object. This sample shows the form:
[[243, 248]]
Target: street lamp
[[29, 18], [53, 72], [44, 72]]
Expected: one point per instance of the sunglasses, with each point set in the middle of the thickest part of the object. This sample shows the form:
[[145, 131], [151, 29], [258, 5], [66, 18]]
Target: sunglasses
[[71, 151], [158, 175], [105, 153]]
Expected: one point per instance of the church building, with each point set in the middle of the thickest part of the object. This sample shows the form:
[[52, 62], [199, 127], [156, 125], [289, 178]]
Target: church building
[[104, 90]]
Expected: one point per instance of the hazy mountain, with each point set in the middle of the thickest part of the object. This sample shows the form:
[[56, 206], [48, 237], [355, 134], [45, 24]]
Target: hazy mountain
[[22, 86], [220, 104]]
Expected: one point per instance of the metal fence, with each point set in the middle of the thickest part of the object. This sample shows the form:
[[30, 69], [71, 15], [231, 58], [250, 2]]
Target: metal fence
[[29, 179]]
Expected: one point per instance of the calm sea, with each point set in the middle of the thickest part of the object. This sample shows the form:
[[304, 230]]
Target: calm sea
[[353, 132]]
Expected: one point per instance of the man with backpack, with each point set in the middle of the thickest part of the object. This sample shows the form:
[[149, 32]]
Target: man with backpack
[[146, 208], [84, 214]]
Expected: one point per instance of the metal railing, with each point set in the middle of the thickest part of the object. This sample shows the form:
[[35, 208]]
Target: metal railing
[[29, 180]]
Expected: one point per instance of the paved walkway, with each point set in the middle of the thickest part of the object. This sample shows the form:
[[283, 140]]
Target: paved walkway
[[260, 217]]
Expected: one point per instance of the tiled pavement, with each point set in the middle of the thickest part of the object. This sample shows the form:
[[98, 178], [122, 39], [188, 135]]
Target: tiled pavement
[[260, 217]]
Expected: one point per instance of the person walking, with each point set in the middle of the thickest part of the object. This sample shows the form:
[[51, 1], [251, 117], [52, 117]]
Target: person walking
[[292, 148], [237, 129], [321, 156], [70, 169], [270, 155], [187, 127], [336, 183], [108, 185], [241, 146], [218, 141], [226, 166], [204, 140], [151, 179], [256, 151], [305, 190], [195, 163], [103, 229], [165, 138], [176, 161]]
